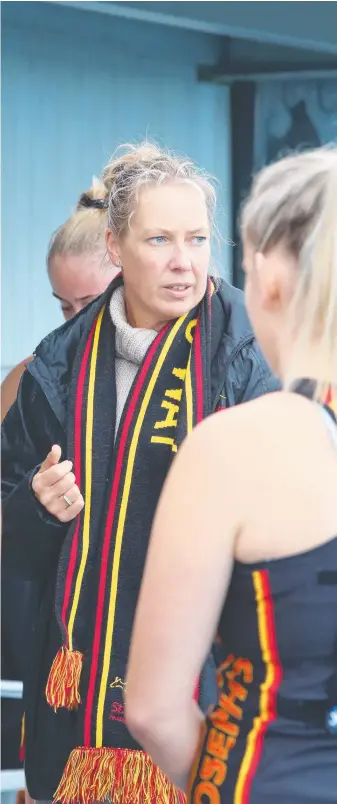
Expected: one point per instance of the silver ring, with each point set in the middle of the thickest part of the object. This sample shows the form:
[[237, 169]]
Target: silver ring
[[66, 500]]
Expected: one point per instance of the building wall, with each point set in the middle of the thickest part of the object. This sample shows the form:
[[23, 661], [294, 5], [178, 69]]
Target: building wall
[[306, 25], [284, 116], [293, 114], [75, 86]]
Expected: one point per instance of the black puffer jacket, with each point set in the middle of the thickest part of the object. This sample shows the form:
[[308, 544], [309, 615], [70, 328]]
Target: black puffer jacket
[[32, 538]]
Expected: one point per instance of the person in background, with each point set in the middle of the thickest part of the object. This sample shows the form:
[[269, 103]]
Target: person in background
[[79, 270], [101, 413], [78, 266], [244, 542]]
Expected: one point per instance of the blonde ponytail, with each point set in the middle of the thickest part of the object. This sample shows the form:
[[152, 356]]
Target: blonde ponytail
[[84, 232], [294, 202], [316, 297]]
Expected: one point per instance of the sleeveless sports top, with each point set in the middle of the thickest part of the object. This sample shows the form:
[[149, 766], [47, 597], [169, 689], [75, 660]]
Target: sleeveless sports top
[[272, 737]]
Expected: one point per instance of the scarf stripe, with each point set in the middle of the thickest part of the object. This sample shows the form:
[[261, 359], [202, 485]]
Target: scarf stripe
[[121, 523], [268, 689], [330, 399], [199, 408], [189, 397], [78, 474], [327, 397], [88, 477], [198, 375], [188, 382], [107, 535]]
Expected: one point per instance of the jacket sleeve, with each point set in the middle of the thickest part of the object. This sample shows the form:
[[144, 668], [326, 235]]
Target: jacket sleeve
[[31, 538], [249, 376]]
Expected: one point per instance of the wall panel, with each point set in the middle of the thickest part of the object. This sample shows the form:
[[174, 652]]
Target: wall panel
[[75, 86]]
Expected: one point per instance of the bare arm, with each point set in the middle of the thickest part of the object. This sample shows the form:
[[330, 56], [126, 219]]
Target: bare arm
[[185, 582], [10, 385]]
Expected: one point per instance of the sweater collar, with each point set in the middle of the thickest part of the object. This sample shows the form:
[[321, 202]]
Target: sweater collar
[[131, 343]]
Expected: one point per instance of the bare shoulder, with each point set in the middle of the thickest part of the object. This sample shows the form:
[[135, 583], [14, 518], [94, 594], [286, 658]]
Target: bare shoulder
[[10, 385], [235, 434]]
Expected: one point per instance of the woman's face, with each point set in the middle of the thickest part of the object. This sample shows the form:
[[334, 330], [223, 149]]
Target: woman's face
[[270, 281], [164, 253], [77, 279]]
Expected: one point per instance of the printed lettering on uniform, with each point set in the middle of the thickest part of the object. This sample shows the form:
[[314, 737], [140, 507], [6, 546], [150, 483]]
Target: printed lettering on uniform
[[234, 674]]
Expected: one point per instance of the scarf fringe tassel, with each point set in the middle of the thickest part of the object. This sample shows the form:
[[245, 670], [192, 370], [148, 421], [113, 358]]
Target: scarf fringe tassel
[[117, 775], [63, 685], [22, 739]]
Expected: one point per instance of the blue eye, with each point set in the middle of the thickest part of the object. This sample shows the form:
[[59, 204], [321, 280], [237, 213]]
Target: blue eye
[[198, 240], [158, 241]]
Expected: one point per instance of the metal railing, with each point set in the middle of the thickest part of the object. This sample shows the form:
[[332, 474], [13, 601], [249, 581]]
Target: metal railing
[[11, 689], [11, 780]]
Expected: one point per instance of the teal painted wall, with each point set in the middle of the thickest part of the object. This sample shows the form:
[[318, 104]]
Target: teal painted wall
[[75, 85], [294, 114]]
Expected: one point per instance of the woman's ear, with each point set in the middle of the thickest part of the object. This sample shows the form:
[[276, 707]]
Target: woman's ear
[[113, 248]]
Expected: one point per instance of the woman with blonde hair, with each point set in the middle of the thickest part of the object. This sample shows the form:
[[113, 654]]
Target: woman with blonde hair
[[101, 413], [79, 268], [244, 542]]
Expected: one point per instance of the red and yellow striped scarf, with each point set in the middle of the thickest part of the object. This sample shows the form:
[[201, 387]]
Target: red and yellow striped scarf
[[102, 560]]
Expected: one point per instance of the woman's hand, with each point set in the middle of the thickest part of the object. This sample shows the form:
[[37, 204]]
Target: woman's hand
[[55, 487]]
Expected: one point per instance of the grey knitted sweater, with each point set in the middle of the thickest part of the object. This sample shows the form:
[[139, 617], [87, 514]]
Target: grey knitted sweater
[[131, 347]]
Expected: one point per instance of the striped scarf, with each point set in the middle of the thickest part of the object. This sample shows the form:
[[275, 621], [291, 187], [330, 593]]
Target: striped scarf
[[101, 564]]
